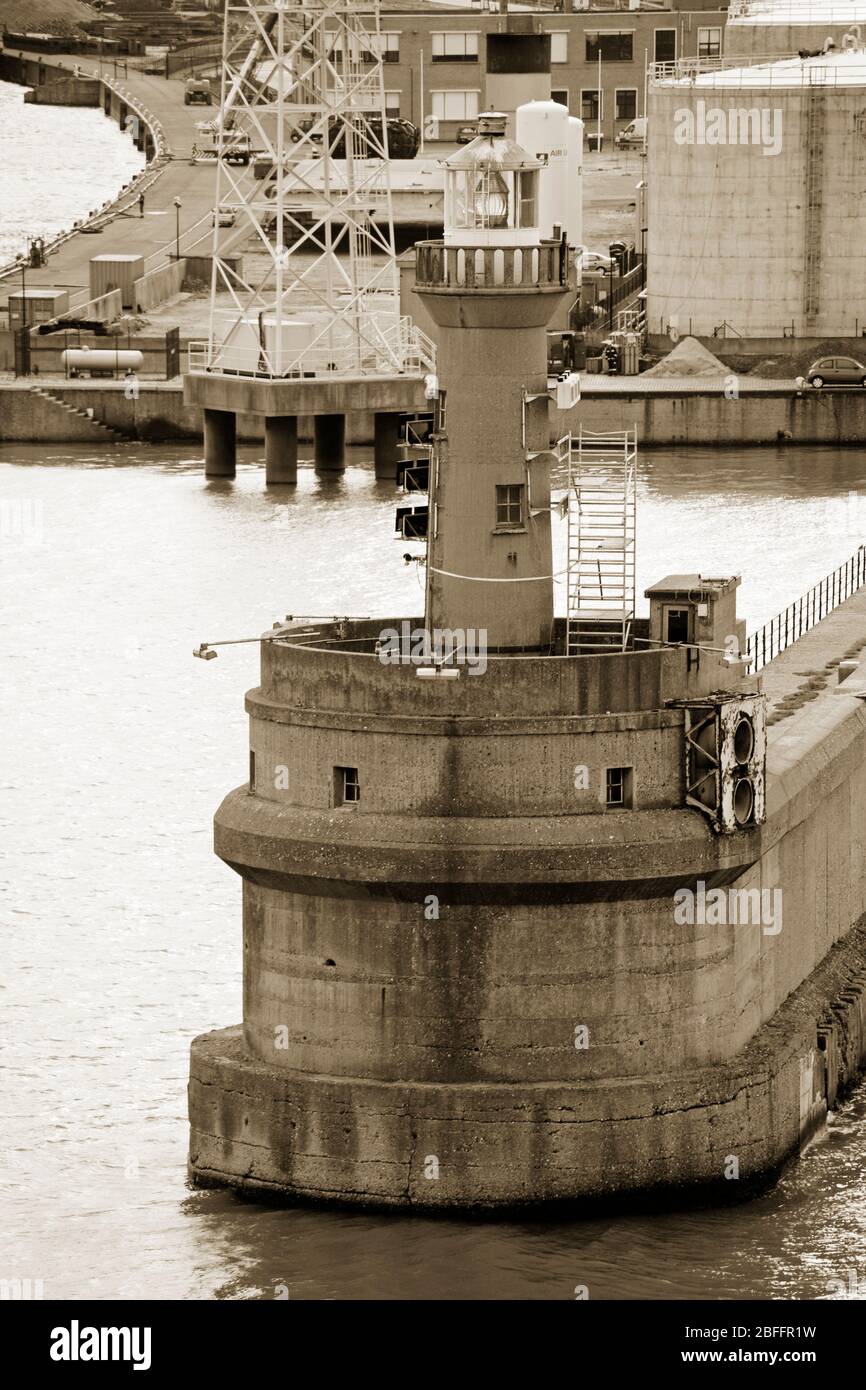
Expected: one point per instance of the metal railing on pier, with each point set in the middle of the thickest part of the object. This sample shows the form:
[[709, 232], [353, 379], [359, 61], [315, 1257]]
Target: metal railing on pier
[[388, 346], [801, 615]]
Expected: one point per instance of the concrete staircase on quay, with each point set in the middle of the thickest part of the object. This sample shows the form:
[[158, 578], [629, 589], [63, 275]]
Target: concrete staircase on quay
[[80, 425]]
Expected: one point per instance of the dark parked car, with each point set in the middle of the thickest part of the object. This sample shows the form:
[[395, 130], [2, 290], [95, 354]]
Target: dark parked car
[[465, 133], [837, 371]]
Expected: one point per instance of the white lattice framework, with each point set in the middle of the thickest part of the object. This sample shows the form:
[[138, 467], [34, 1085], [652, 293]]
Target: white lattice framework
[[302, 91]]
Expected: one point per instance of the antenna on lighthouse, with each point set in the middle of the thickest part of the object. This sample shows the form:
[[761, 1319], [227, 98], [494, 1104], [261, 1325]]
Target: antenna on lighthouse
[[302, 163]]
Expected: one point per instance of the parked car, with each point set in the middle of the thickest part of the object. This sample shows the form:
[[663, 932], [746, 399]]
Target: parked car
[[633, 137], [224, 217], [465, 133], [837, 371], [595, 260]]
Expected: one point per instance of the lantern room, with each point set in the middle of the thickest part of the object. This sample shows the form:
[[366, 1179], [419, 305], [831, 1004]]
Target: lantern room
[[491, 190]]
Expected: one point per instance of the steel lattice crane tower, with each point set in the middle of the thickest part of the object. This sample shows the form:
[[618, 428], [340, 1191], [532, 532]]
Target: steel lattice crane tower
[[305, 285], [303, 90]]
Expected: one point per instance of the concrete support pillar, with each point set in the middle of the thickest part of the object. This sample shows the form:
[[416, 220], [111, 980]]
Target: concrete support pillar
[[386, 432], [220, 430], [330, 437], [281, 449]]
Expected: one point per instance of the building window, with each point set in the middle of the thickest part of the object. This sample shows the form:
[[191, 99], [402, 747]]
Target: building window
[[610, 47], [509, 506], [618, 788], [392, 103], [455, 106], [455, 47], [390, 47], [347, 788], [347, 49], [665, 45], [626, 103], [709, 43], [559, 46], [589, 104], [560, 95], [252, 771]]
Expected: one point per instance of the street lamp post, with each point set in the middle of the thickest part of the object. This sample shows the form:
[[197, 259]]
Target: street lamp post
[[177, 207]]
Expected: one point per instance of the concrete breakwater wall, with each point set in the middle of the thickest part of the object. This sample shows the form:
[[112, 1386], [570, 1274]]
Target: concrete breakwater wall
[[714, 1045]]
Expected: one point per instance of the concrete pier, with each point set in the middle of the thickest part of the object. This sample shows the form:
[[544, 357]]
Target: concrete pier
[[386, 432], [220, 429], [281, 449], [330, 442]]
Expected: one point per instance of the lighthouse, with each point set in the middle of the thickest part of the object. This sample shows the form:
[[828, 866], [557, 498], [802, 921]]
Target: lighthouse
[[492, 285], [460, 959]]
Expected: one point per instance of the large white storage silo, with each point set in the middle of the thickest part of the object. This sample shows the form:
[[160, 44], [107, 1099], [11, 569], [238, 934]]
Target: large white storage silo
[[541, 127]]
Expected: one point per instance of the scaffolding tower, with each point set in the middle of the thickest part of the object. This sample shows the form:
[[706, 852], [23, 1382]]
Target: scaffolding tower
[[303, 180], [602, 513]]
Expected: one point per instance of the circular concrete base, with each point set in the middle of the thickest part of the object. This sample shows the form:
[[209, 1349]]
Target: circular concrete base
[[435, 1146]]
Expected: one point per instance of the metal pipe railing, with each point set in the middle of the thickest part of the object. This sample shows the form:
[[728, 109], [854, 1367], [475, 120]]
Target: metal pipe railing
[[790, 625]]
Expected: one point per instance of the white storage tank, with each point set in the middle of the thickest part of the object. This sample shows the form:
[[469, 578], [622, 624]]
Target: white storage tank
[[574, 215], [103, 359], [542, 130]]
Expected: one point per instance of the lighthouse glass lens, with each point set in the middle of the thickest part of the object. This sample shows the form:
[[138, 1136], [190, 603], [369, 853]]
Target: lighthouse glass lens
[[491, 200]]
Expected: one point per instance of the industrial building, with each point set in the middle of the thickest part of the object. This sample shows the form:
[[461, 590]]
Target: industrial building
[[437, 69], [755, 208]]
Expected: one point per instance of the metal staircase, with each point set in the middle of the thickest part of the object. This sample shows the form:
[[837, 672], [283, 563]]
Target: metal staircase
[[602, 512]]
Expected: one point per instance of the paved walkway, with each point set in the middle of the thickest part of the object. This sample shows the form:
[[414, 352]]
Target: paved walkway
[[802, 671], [152, 236]]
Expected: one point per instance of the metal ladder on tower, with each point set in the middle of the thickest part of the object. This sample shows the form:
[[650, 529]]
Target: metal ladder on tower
[[815, 109], [602, 514]]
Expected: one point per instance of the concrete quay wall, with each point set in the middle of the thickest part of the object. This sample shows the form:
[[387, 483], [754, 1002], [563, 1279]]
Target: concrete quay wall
[[158, 413], [784, 417], [815, 417], [378, 1033]]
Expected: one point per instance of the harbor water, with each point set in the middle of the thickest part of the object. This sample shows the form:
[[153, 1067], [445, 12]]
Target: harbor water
[[122, 932], [83, 158]]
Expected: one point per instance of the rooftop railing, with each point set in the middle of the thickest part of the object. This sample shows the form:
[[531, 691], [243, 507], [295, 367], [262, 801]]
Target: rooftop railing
[[766, 70], [797, 11]]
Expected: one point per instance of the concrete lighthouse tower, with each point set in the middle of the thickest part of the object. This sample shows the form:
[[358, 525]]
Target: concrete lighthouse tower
[[463, 981], [492, 287]]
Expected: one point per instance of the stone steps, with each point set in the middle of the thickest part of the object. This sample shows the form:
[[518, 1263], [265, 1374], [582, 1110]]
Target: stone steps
[[105, 434]]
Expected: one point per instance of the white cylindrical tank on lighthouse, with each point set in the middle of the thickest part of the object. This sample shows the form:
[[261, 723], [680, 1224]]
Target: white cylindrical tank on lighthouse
[[542, 129], [574, 215]]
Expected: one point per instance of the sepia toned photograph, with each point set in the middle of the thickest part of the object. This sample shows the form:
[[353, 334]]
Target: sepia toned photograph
[[433, 566]]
